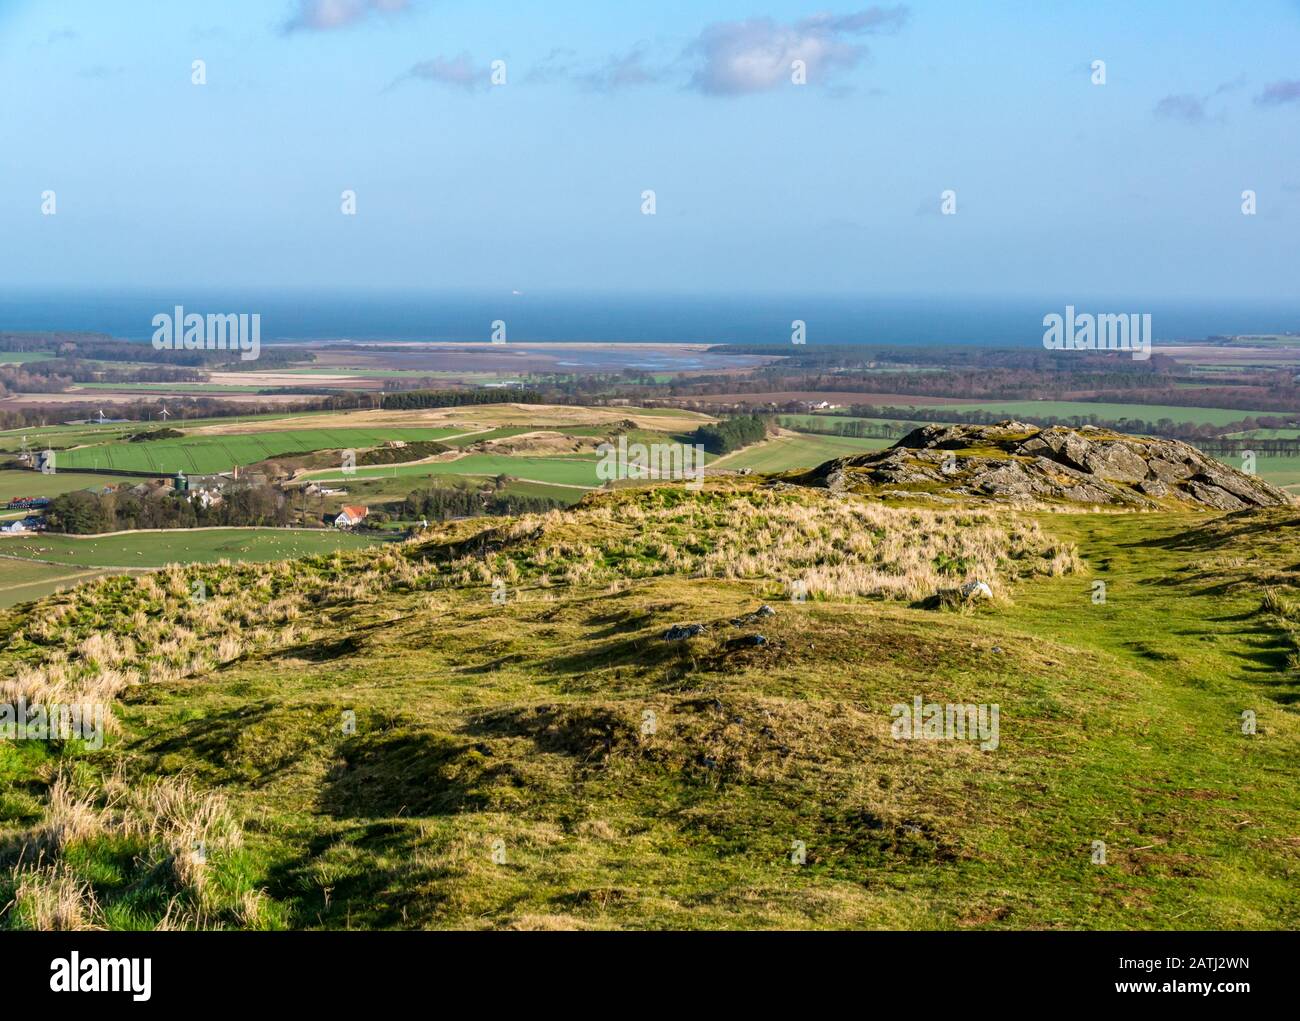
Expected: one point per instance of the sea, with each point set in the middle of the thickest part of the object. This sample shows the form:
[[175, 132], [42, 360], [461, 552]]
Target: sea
[[699, 319]]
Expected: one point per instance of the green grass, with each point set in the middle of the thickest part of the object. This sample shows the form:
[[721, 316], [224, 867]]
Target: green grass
[[564, 494], [1031, 411], [31, 483], [504, 432], [507, 432], [1281, 471], [828, 421], [375, 491], [522, 723], [1268, 434], [575, 470], [520, 728], [209, 454], [21, 582], [23, 357], [62, 436], [183, 546]]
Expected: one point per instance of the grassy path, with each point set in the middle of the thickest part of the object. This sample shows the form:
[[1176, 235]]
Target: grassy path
[[1192, 811]]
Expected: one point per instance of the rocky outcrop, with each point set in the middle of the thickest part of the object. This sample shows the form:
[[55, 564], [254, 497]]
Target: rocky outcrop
[[1015, 462]]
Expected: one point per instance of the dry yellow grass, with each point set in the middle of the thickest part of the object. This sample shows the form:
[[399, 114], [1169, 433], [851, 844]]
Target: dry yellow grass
[[834, 547], [179, 826], [52, 899]]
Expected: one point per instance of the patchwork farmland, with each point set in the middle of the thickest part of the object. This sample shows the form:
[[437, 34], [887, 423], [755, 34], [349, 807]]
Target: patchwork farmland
[[209, 454]]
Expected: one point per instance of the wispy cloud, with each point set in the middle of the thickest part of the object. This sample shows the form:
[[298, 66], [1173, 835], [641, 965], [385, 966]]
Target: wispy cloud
[[1194, 109], [727, 58], [1231, 86], [62, 35], [1182, 107], [555, 66], [459, 72], [621, 72], [741, 57], [1279, 93], [323, 15]]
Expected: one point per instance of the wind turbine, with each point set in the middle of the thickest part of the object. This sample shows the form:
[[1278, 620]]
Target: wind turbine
[[101, 416], [164, 413]]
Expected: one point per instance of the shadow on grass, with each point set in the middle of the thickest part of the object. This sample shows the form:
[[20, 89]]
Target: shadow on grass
[[412, 772], [252, 744], [334, 883]]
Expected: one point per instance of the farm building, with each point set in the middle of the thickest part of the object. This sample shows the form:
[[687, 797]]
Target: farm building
[[351, 517], [28, 524]]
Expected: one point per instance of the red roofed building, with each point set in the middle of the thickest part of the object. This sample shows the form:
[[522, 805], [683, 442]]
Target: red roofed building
[[351, 517]]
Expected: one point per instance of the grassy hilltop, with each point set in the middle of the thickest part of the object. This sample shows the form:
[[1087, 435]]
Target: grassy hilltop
[[485, 727]]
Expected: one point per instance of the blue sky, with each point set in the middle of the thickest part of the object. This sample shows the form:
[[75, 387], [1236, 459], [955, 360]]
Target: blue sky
[[1131, 188]]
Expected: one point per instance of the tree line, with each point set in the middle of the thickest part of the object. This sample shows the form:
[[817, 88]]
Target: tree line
[[409, 400], [445, 503], [731, 433], [89, 513]]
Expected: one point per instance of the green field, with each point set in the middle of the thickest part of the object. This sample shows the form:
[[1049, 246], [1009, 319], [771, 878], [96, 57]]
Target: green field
[[32, 483], [508, 431], [502, 433], [784, 453], [22, 582], [1035, 410], [818, 423], [1032, 410], [564, 494], [1281, 471], [23, 357], [1267, 434], [376, 491], [62, 436], [572, 470], [178, 546], [209, 454]]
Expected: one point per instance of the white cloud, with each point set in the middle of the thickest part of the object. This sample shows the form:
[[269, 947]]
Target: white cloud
[[739, 57], [458, 72]]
